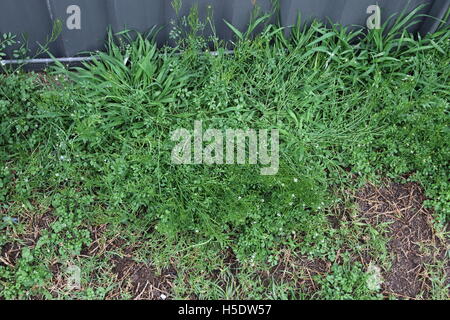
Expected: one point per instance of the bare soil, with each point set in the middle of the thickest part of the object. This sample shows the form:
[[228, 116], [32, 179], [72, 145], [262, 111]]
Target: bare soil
[[414, 243]]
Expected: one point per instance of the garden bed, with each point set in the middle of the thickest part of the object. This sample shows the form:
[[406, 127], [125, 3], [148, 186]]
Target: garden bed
[[93, 205]]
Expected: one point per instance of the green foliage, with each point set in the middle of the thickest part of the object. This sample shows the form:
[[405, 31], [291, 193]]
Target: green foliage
[[19, 50], [132, 75], [93, 146], [346, 282], [62, 241]]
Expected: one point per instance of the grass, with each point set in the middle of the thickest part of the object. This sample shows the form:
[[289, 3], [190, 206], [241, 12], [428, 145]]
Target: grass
[[87, 180]]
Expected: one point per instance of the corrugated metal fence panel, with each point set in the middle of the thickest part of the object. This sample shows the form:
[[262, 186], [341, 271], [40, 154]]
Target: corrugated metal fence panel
[[438, 9], [345, 12], [34, 18], [31, 18]]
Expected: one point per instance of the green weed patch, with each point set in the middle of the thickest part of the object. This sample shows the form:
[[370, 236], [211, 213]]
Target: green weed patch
[[92, 147]]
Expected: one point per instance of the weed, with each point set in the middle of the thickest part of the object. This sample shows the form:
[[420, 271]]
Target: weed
[[92, 145], [348, 282]]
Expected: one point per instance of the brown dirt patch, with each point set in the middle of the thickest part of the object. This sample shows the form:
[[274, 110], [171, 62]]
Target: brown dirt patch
[[10, 252], [141, 280], [414, 243], [100, 243], [300, 270]]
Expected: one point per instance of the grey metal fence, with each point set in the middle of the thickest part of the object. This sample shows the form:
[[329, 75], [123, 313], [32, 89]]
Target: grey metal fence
[[85, 22]]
